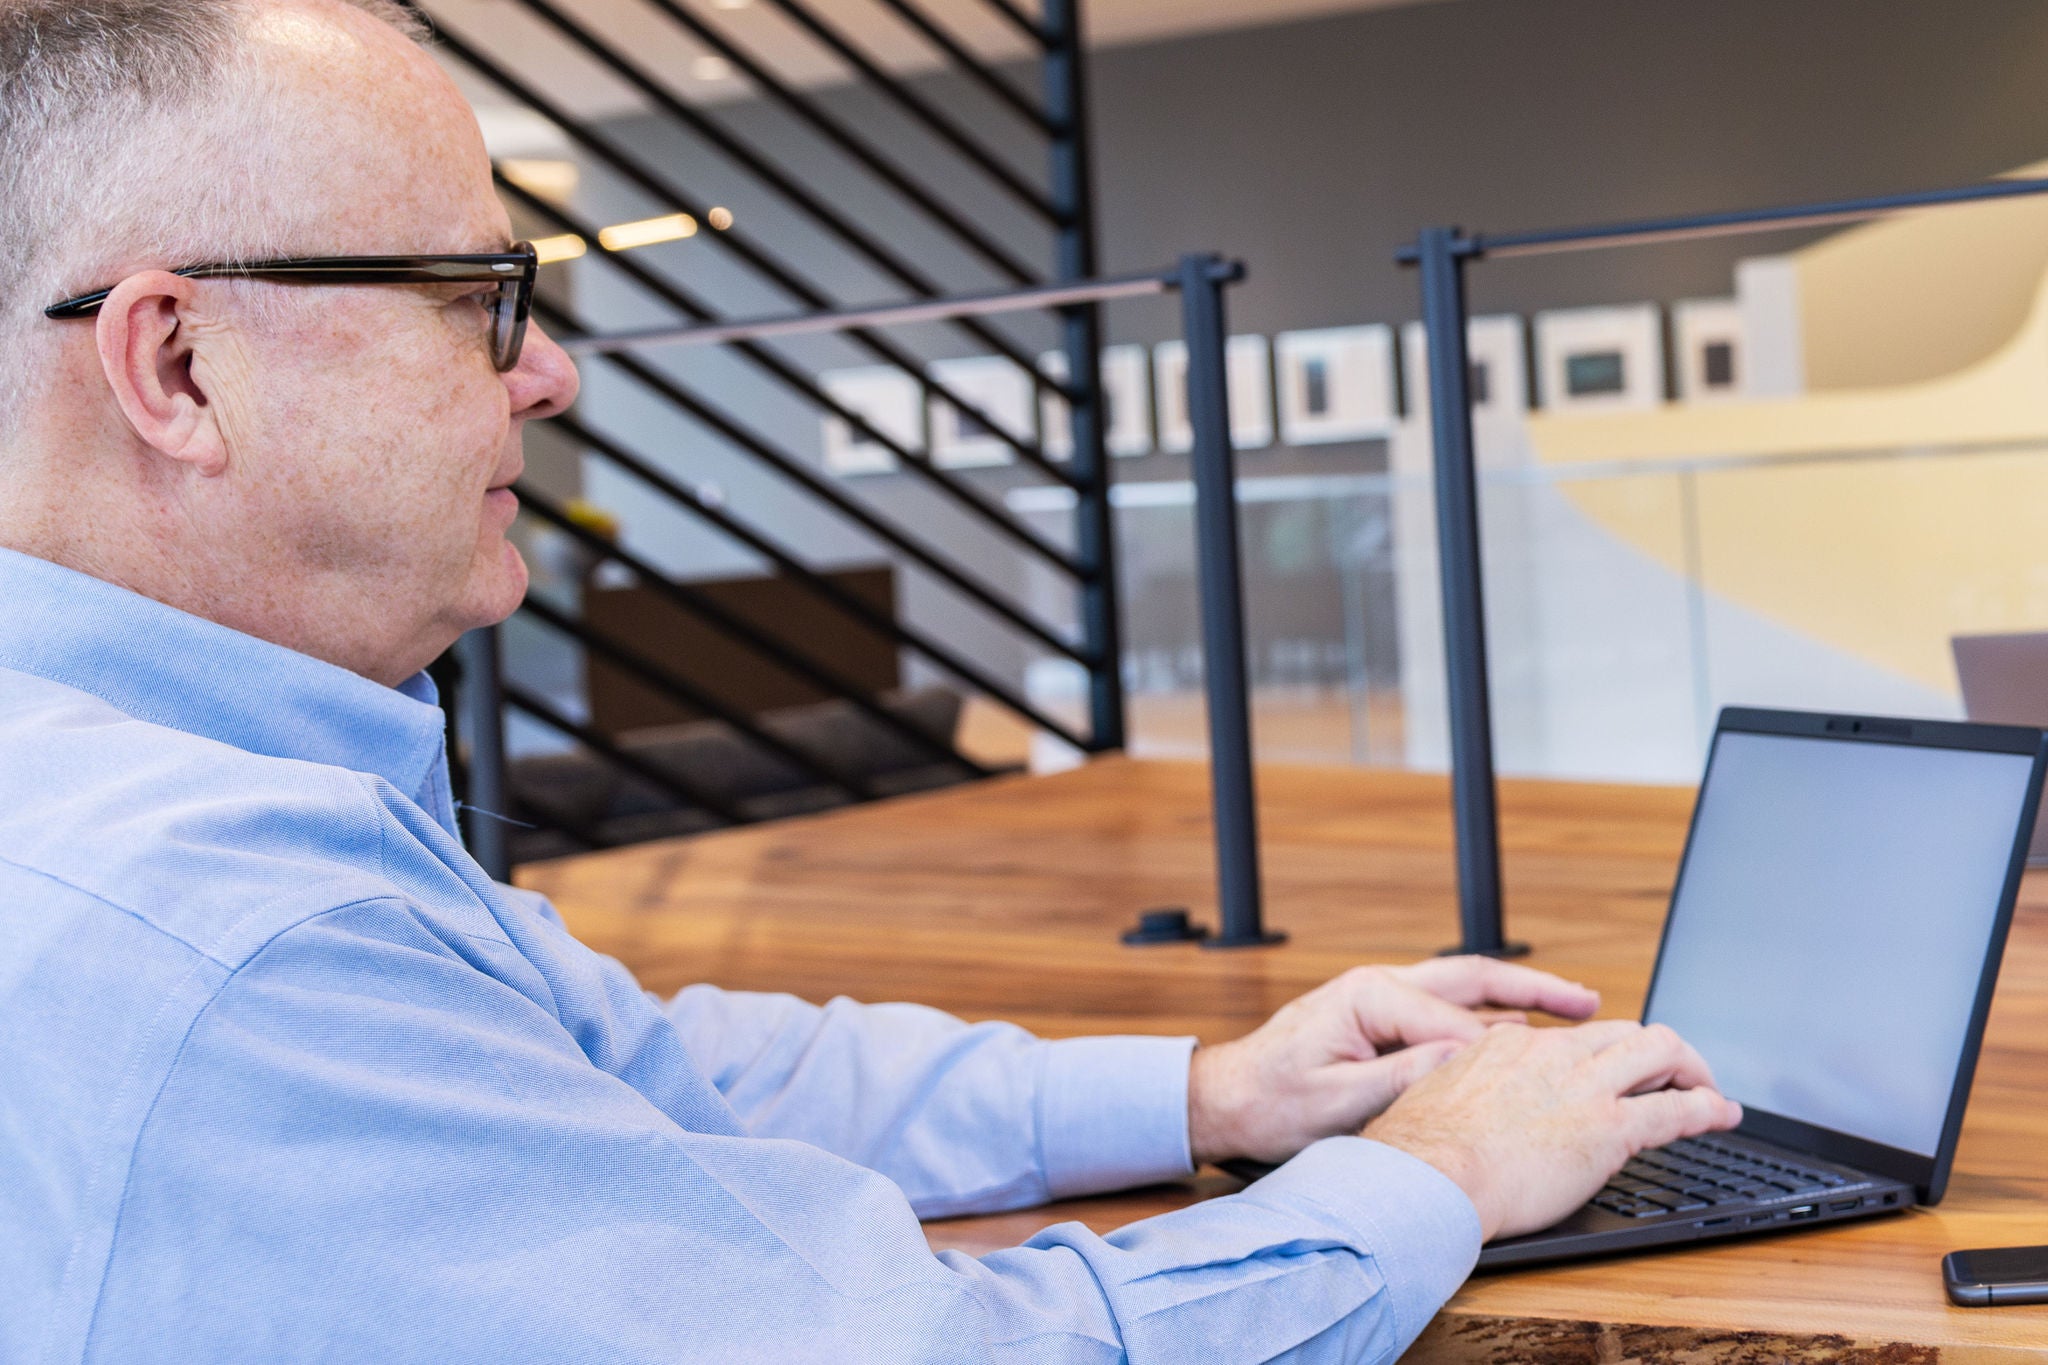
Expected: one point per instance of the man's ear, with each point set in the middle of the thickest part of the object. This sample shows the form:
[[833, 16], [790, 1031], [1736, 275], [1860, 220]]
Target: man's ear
[[145, 344]]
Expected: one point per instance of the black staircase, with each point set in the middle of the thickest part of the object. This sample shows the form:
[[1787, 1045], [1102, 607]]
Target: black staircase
[[1015, 276]]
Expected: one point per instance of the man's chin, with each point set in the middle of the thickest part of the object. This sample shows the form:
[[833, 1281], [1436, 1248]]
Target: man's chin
[[497, 587]]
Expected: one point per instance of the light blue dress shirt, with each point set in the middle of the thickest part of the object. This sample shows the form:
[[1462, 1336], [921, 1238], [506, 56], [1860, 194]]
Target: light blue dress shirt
[[286, 1077]]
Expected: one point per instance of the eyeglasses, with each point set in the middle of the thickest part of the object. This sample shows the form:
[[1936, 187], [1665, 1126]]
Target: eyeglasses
[[510, 305]]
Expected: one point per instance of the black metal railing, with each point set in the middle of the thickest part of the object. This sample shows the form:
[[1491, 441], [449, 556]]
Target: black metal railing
[[1442, 256], [1201, 281]]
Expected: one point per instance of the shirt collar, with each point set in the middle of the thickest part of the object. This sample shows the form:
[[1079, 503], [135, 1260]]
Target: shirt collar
[[165, 666]]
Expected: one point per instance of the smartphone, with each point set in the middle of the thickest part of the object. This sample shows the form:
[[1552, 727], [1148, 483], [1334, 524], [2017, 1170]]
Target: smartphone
[[1994, 1275]]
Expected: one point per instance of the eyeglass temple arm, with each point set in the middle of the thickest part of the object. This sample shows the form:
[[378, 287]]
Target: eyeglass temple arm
[[396, 271]]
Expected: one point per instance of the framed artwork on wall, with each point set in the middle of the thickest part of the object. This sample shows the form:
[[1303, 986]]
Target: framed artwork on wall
[[1003, 393], [886, 398], [1708, 336], [1600, 359], [1496, 347], [1126, 390], [1335, 384], [1248, 363]]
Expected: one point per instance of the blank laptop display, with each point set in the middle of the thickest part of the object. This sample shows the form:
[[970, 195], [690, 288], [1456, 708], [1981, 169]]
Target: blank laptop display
[[1826, 941]]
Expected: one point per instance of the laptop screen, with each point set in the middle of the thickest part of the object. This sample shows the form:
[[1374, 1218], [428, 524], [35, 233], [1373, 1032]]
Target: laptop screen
[[1827, 937]]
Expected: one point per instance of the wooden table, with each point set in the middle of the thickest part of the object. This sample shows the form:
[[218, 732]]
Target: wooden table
[[1003, 901]]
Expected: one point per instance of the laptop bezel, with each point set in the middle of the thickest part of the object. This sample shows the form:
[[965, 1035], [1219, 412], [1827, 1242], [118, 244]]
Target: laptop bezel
[[1928, 1175]]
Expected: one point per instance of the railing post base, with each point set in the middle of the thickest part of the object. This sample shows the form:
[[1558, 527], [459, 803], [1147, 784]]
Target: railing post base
[[1505, 950]]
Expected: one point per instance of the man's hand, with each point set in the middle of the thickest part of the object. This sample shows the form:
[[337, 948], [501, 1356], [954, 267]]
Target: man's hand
[[1530, 1122], [1331, 1060]]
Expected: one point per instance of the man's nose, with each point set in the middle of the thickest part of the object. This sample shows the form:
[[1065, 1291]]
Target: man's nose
[[544, 382]]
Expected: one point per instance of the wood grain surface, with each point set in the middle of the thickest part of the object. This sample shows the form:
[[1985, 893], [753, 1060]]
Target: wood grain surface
[[1003, 900]]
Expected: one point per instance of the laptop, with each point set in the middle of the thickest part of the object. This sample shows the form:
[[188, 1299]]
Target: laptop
[[2005, 682], [1831, 947]]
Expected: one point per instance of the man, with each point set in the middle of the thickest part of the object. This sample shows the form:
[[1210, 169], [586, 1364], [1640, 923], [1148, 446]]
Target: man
[[287, 1077]]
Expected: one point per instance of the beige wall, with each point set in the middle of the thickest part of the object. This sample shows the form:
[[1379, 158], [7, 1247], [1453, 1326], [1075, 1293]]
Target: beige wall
[[1922, 295]]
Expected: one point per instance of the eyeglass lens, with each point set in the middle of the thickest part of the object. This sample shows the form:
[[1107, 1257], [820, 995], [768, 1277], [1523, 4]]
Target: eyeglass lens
[[504, 327]]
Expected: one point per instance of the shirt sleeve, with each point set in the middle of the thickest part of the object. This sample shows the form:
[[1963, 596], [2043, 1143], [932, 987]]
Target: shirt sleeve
[[373, 1148], [964, 1118]]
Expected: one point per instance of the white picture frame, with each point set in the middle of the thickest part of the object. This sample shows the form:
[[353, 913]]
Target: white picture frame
[[996, 385], [1607, 359], [1707, 335], [886, 398], [1126, 389], [1335, 384], [1496, 347], [1248, 367]]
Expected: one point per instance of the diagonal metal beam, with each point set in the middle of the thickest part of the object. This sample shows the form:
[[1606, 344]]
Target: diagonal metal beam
[[784, 276], [707, 608], [1023, 22], [679, 689], [969, 235], [922, 110], [973, 65], [904, 635], [827, 125], [687, 792], [797, 472], [686, 302], [648, 473]]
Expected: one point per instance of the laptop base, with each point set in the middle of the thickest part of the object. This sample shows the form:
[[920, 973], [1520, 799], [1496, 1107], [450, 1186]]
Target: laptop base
[[1630, 1214]]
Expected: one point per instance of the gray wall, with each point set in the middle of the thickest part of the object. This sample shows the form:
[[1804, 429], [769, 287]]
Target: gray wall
[[1312, 150]]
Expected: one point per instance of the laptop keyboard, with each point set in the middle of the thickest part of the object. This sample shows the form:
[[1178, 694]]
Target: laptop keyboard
[[1700, 1173]]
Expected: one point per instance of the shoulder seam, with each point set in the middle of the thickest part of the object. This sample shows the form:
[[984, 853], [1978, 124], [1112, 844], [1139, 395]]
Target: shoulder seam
[[118, 908]]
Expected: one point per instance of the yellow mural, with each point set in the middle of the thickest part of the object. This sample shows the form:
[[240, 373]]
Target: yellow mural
[[1878, 520]]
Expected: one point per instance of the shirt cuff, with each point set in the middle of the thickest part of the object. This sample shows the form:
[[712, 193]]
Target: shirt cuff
[[1113, 1113], [1414, 1221]]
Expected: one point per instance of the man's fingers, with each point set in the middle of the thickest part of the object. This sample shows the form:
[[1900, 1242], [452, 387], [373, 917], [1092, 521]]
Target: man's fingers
[[1373, 1085], [1652, 1059], [1484, 981], [1668, 1115], [1390, 1011], [1597, 1036]]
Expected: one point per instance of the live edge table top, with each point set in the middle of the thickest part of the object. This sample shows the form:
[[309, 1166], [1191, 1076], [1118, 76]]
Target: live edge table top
[[1003, 900]]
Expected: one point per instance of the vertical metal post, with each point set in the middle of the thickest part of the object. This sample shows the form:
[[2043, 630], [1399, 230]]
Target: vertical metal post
[[1081, 327], [480, 702], [1441, 254], [1231, 780]]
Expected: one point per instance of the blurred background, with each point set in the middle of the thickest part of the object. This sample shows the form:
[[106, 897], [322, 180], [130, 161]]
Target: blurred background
[[1782, 469]]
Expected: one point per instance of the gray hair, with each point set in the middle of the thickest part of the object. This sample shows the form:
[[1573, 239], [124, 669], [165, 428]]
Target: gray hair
[[89, 92]]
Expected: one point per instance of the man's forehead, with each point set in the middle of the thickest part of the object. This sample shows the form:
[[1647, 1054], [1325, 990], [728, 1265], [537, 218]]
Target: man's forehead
[[373, 137]]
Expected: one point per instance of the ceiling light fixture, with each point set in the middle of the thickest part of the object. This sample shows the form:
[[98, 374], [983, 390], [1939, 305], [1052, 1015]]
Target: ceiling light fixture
[[719, 218], [543, 177], [647, 231], [554, 250]]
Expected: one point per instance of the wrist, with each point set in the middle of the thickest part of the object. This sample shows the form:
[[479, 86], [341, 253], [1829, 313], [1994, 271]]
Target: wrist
[[1452, 1158], [1212, 1122]]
